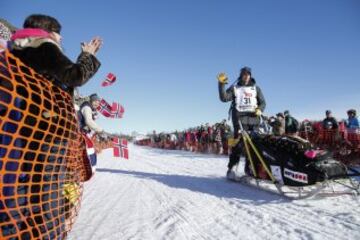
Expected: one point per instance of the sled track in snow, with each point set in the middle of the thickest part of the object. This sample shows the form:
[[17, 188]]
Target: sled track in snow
[[160, 194]]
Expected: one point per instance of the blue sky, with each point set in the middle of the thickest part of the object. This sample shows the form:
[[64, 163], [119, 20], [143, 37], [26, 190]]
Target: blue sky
[[305, 55]]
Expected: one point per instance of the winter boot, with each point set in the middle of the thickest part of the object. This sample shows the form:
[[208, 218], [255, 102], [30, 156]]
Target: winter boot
[[230, 174]]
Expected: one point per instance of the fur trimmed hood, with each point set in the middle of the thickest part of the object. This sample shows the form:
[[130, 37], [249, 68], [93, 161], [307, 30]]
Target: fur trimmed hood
[[31, 37]]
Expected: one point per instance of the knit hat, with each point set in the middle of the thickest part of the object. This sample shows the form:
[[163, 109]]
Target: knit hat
[[245, 70], [94, 97], [351, 111]]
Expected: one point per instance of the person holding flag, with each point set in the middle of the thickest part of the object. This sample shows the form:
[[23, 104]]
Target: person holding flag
[[88, 114], [86, 117], [248, 103]]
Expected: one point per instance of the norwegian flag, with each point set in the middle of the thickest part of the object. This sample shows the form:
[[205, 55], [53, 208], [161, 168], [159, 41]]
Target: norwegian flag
[[104, 108], [110, 79], [117, 110], [120, 148]]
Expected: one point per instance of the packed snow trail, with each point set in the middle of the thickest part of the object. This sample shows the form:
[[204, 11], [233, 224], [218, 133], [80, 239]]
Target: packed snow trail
[[160, 194]]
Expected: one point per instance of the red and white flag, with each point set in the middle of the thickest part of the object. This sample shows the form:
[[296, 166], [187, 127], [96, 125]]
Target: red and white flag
[[117, 110], [104, 108], [109, 80], [120, 148]]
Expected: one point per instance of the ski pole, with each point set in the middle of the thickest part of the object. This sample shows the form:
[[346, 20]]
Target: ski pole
[[249, 156], [244, 134]]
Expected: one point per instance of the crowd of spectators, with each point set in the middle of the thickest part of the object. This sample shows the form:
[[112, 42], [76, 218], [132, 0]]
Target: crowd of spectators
[[205, 138], [215, 138]]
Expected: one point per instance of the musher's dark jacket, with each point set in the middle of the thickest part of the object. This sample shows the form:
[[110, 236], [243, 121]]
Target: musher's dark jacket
[[247, 118]]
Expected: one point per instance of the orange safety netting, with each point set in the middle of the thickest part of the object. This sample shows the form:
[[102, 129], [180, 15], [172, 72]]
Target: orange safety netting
[[42, 163]]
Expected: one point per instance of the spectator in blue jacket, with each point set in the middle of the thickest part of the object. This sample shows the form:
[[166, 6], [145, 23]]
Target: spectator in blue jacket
[[352, 122]]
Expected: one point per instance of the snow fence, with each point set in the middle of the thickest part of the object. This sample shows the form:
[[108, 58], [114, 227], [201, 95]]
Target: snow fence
[[42, 161]]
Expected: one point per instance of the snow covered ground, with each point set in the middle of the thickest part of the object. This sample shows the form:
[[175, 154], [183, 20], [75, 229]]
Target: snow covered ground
[[160, 194]]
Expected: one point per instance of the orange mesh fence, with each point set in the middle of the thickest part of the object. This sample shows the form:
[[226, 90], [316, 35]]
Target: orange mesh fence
[[42, 163]]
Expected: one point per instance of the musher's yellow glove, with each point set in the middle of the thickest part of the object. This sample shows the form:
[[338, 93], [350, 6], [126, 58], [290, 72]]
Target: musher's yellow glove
[[233, 141], [258, 112], [222, 78]]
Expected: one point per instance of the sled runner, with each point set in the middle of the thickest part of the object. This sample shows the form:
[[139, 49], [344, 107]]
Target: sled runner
[[327, 188], [292, 167]]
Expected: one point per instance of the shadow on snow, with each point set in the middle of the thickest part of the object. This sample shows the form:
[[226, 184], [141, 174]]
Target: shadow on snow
[[218, 187]]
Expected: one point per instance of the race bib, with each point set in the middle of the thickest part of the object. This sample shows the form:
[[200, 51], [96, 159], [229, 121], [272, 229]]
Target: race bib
[[246, 98]]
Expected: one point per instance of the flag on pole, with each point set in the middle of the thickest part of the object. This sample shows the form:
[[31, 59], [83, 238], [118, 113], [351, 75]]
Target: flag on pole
[[120, 148], [109, 80]]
